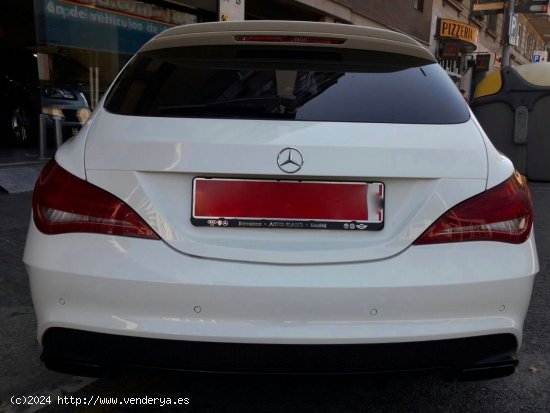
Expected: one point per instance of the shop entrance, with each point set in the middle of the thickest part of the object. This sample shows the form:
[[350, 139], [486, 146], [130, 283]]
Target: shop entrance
[[65, 62]]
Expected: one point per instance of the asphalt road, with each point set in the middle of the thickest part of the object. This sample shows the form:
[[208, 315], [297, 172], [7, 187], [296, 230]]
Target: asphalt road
[[21, 373]]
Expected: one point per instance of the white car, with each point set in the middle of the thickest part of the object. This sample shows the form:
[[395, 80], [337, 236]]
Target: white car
[[281, 197]]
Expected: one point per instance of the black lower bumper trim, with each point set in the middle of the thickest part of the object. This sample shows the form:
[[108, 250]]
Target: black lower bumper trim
[[93, 354]]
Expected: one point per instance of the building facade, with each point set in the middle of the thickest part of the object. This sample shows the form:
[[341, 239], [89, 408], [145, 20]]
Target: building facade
[[468, 45], [472, 65], [85, 43]]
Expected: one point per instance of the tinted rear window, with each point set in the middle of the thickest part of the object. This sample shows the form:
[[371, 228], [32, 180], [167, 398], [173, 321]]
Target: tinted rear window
[[297, 83]]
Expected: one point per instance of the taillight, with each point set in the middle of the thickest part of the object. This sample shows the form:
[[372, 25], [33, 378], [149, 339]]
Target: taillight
[[503, 213], [64, 203], [288, 39]]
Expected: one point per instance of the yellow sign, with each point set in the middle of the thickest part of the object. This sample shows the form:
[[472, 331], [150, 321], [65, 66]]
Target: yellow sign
[[457, 30]]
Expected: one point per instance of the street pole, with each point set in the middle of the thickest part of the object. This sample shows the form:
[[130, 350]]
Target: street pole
[[507, 49]]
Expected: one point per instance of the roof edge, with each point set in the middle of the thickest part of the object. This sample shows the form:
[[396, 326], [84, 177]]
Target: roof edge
[[407, 44]]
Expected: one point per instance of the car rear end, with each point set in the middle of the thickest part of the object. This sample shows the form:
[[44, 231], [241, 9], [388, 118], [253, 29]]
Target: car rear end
[[284, 197], [66, 105]]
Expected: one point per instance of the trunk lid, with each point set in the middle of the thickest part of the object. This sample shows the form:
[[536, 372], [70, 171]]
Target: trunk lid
[[151, 162]]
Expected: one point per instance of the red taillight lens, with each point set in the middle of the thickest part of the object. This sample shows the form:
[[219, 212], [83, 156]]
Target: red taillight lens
[[288, 39], [63, 203], [503, 213]]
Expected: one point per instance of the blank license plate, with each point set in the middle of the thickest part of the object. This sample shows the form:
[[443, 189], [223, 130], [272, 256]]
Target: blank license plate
[[249, 203]]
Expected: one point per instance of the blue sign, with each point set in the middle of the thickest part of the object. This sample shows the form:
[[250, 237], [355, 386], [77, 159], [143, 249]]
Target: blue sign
[[536, 58], [67, 24]]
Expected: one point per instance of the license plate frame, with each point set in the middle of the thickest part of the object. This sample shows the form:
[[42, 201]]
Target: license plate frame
[[205, 188]]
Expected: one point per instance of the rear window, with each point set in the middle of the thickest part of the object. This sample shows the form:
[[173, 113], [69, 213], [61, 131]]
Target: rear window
[[295, 83]]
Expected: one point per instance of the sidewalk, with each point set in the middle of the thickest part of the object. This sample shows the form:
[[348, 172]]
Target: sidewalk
[[22, 156], [19, 169]]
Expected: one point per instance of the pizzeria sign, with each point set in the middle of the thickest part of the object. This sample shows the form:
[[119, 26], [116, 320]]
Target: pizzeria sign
[[452, 29]]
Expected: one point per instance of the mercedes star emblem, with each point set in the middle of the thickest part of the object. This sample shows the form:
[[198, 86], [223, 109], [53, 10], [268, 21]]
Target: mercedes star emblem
[[290, 160]]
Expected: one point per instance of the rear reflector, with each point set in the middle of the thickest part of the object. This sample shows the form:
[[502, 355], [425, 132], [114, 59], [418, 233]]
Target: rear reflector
[[64, 203], [503, 213], [289, 39]]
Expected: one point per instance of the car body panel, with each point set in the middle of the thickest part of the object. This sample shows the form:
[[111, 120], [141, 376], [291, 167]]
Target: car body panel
[[228, 146], [499, 167], [151, 167], [145, 288]]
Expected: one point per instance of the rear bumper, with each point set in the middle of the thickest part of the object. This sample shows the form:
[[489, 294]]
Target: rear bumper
[[135, 287], [77, 351], [106, 300]]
